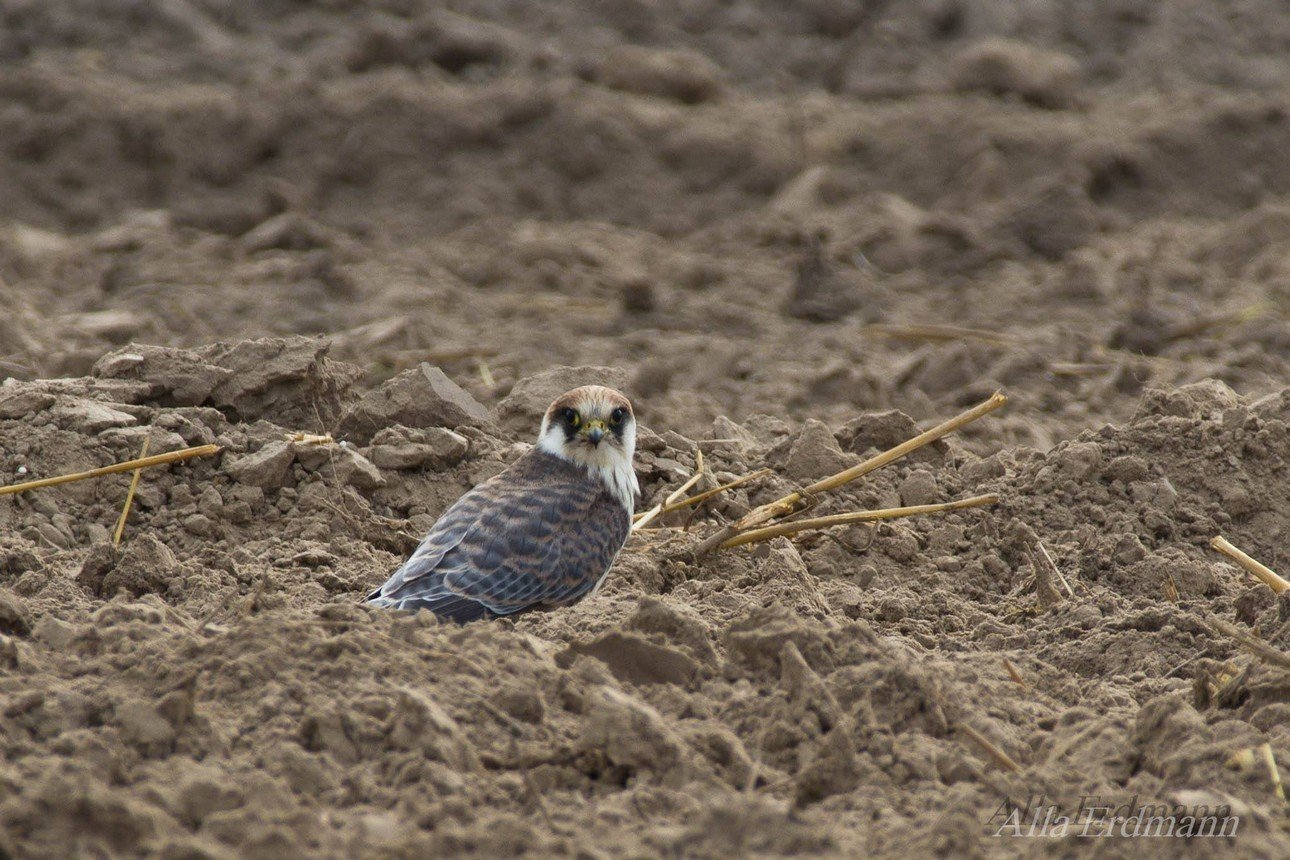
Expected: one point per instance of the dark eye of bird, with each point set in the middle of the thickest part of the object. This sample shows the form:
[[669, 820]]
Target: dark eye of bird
[[618, 415], [571, 417]]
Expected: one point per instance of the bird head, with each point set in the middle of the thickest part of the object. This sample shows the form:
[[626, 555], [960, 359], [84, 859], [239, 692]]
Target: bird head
[[593, 426]]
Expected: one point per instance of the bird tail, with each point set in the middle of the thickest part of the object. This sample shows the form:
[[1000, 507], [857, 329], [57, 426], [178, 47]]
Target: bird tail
[[445, 606]]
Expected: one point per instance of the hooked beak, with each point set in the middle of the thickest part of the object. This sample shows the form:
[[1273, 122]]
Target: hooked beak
[[594, 431]]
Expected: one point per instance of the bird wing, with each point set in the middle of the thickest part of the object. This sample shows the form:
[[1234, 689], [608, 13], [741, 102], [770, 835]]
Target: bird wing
[[447, 532], [542, 533]]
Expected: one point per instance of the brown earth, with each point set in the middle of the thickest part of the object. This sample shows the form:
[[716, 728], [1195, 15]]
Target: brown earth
[[229, 221]]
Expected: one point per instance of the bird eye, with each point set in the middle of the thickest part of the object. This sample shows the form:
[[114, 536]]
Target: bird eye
[[571, 416], [618, 415]]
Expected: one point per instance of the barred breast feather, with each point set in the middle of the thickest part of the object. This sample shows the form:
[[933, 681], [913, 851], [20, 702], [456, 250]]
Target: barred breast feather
[[539, 535]]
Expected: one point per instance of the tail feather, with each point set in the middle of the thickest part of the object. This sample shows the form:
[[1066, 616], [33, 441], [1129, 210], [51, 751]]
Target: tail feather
[[445, 605]]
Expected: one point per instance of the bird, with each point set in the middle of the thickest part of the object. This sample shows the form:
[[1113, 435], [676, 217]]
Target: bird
[[540, 535]]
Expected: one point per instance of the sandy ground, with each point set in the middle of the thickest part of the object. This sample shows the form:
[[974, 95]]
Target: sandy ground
[[409, 224]]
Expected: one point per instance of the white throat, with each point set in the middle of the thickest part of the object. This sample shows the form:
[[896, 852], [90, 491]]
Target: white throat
[[609, 463]]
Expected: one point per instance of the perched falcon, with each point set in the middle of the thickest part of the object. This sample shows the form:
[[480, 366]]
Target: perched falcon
[[541, 534]]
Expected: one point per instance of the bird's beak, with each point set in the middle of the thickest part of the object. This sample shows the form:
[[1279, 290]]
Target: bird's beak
[[594, 431]]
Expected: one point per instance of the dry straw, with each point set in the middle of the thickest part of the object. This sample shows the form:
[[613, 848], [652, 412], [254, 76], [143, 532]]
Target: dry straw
[[129, 496], [116, 468], [1256, 646], [802, 498], [656, 511], [1052, 566], [689, 501], [1274, 773], [1001, 758], [784, 529], [309, 438], [1261, 571], [937, 333], [1014, 674]]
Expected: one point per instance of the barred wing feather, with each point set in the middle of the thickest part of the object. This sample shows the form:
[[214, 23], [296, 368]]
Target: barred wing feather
[[542, 533]]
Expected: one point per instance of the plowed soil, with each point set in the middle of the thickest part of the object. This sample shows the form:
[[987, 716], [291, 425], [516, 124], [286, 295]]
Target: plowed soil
[[794, 234]]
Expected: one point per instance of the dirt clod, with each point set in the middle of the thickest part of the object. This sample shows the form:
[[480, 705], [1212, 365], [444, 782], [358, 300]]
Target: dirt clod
[[1004, 67], [421, 397]]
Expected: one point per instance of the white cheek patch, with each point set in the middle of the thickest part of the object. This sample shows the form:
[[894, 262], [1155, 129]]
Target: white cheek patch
[[551, 439], [606, 462]]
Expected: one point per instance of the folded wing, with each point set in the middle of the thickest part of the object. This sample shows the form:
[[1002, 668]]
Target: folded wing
[[541, 534]]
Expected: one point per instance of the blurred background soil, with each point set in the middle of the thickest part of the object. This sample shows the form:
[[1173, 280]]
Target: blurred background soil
[[792, 233]]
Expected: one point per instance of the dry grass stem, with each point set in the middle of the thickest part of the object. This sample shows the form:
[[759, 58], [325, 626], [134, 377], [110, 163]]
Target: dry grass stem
[[1170, 588], [999, 757], [654, 512], [1129, 358], [1274, 773], [755, 535], [796, 500], [1249, 758], [309, 438], [129, 496], [922, 440], [646, 517], [1251, 643], [485, 373], [1062, 368], [1261, 571], [936, 332], [1232, 687], [680, 504], [1052, 565], [1243, 759], [1014, 674], [116, 468]]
